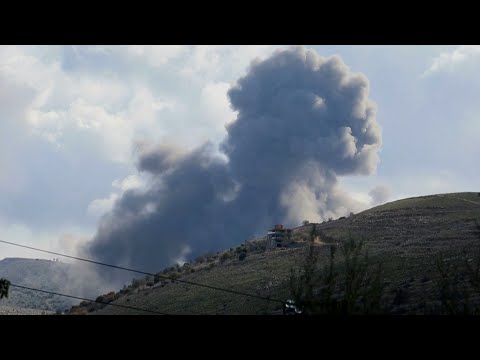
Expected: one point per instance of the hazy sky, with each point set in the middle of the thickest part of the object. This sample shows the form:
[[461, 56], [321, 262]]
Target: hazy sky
[[73, 118]]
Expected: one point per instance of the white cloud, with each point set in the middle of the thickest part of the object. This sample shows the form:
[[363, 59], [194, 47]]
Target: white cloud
[[108, 92], [156, 55], [129, 183], [216, 105], [99, 207], [83, 127], [144, 110], [197, 63], [47, 125], [448, 61], [214, 62], [109, 112], [111, 132]]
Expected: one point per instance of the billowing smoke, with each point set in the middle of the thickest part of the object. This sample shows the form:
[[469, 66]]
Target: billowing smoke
[[303, 120], [380, 194], [185, 206]]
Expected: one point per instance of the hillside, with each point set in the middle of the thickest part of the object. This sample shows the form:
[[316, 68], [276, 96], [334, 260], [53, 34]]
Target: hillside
[[35, 273], [10, 310], [406, 235]]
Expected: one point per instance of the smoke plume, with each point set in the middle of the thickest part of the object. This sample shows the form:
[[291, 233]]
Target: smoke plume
[[303, 121], [380, 194]]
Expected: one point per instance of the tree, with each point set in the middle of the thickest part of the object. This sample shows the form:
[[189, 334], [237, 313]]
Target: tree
[[305, 222], [4, 286], [354, 285]]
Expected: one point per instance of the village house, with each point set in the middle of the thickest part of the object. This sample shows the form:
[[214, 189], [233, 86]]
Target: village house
[[278, 237]]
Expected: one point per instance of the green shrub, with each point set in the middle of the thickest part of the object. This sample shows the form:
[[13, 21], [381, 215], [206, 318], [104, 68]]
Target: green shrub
[[242, 256], [225, 256], [240, 249], [351, 287]]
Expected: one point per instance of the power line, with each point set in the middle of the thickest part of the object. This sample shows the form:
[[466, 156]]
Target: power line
[[81, 298], [147, 273]]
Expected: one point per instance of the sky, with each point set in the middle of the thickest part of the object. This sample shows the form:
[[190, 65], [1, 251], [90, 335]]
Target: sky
[[74, 119]]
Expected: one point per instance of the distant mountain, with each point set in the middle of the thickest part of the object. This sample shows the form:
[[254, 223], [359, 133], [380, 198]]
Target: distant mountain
[[38, 274]]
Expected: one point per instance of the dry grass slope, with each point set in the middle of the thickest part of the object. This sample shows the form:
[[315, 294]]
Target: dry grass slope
[[406, 235]]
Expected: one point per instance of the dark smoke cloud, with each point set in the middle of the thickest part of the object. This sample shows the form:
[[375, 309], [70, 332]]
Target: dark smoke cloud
[[303, 120], [182, 207]]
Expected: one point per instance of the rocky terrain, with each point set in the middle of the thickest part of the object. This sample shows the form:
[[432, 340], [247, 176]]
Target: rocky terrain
[[9, 310]]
